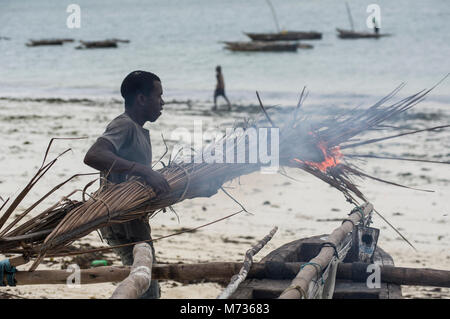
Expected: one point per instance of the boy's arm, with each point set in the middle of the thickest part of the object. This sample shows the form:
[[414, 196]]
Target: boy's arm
[[102, 156]]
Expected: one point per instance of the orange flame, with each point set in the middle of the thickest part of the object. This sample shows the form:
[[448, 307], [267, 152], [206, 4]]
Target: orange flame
[[331, 155]]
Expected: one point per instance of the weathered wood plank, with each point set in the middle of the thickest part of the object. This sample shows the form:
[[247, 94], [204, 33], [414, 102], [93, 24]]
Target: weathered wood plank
[[261, 288], [248, 262], [393, 291], [137, 283], [346, 289]]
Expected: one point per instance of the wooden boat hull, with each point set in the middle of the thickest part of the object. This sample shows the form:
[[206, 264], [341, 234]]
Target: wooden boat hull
[[98, 44], [261, 46], [285, 36], [33, 43], [304, 250], [349, 34]]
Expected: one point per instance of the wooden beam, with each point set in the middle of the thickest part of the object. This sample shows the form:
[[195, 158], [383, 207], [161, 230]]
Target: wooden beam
[[397, 275], [248, 262], [223, 271], [178, 272], [138, 281]]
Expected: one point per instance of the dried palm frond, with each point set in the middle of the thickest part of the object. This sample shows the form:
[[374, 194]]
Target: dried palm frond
[[313, 146]]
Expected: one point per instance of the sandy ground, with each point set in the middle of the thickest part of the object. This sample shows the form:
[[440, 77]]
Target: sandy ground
[[298, 208]]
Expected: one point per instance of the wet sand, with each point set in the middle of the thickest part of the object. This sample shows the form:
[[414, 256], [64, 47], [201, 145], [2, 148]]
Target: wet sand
[[297, 208]]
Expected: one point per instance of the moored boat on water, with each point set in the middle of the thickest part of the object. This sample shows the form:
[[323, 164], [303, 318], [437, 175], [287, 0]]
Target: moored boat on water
[[97, 44], [34, 43], [350, 34], [261, 46], [285, 36]]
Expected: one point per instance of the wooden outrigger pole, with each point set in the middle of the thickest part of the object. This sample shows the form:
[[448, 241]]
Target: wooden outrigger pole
[[139, 279], [237, 279], [326, 261], [222, 271]]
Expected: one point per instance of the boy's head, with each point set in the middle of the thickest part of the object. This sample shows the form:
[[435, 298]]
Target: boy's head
[[142, 91]]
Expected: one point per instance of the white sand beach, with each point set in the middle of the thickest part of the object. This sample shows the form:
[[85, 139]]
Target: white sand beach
[[299, 208]]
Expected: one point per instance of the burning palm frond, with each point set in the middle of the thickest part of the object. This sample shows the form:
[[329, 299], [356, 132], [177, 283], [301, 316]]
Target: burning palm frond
[[313, 146]]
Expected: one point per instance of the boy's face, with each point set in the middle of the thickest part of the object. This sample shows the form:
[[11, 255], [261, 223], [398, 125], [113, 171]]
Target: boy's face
[[152, 105]]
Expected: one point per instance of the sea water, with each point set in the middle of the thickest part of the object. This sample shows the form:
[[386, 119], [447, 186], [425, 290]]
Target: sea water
[[180, 40]]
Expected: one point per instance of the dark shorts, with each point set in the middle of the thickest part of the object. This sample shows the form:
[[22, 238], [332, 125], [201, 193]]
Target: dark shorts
[[218, 92], [129, 232]]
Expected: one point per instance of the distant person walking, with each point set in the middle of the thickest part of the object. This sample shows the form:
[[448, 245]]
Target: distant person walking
[[376, 29], [220, 88]]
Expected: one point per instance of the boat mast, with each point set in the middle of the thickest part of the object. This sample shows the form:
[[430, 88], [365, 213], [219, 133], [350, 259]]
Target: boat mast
[[274, 15], [349, 16]]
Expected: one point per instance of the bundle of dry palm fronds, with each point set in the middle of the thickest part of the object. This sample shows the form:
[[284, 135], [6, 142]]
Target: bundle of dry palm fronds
[[313, 146]]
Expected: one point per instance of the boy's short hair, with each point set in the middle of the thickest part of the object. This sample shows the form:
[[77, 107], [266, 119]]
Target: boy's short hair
[[137, 82]]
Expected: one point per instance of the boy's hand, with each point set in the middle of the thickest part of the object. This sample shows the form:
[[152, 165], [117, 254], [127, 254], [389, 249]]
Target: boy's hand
[[153, 178]]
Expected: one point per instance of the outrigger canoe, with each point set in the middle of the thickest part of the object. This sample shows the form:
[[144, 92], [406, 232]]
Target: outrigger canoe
[[97, 44], [261, 46], [34, 43], [285, 36], [278, 278], [349, 34], [343, 276]]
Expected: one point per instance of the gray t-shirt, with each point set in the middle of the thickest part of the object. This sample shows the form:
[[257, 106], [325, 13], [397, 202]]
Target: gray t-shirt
[[131, 141]]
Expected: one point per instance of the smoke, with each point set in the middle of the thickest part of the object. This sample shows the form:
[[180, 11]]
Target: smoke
[[233, 145]]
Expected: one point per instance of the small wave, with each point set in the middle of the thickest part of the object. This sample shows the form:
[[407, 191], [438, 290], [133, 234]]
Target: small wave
[[203, 107], [58, 100], [84, 101], [10, 118], [245, 107]]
